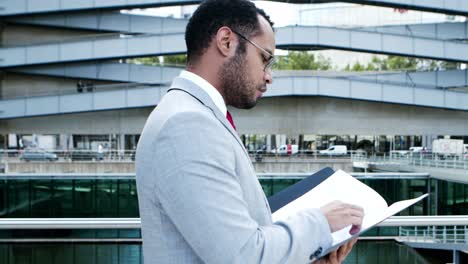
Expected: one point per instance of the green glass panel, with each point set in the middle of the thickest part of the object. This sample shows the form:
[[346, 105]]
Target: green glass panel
[[84, 198]]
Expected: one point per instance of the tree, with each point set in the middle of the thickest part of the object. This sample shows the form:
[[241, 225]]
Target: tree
[[302, 60], [398, 63], [146, 61], [401, 63], [175, 60], [171, 60]]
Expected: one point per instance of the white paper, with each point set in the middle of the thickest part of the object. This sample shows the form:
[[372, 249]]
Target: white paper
[[339, 186], [345, 188]]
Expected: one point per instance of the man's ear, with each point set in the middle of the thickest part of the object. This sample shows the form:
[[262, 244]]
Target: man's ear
[[225, 41]]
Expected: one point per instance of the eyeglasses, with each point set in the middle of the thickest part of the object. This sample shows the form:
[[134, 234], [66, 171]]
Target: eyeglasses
[[271, 59]]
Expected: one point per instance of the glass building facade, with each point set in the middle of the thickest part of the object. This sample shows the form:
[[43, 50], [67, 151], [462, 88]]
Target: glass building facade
[[117, 197], [364, 252]]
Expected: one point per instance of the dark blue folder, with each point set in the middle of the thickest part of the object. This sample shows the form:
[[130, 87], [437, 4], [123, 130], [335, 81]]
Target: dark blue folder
[[295, 191]]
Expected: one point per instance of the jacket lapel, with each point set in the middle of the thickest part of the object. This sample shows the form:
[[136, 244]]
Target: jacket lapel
[[198, 93]]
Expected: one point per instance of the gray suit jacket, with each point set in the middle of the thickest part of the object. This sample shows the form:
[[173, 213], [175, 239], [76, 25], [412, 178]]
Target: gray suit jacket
[[200, 200]]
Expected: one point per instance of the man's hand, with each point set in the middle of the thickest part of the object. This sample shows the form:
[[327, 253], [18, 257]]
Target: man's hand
[[339, 255], [340, 215]]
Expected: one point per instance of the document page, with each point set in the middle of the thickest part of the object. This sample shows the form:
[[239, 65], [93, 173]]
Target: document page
[[344, 187], [339, 186]]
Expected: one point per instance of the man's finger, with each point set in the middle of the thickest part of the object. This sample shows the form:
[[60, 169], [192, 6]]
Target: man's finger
[[333, 257], [354, 229], [344, 250], [355, 220], [355, 212]]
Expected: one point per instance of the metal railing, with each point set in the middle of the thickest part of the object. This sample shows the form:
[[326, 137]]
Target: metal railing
[[134, 223], [129, 155], [419, 160], [52, 155], [303, 155], [435, 234]]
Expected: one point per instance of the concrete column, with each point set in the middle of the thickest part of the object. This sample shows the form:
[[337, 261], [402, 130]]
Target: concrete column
[[428, 139], [63, 141], [121, 142], [282, 140], [109, 139], [268, 143], [456, 257], [70, 142]]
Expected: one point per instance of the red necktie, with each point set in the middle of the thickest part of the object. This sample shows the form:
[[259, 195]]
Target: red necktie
[[229, 118]]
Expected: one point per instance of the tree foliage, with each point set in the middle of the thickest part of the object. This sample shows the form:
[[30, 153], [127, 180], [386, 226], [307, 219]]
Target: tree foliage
[[170, 60], [398, 63], [302, 60]]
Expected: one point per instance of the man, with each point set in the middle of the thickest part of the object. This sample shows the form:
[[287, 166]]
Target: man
[[200, 200]]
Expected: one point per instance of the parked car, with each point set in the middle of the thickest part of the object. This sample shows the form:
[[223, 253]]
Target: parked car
[[337, 150], [399, 153], [37, 154], [82, 154]]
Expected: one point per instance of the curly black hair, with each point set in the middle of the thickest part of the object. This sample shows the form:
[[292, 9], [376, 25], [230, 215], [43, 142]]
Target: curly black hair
[[239, 15]]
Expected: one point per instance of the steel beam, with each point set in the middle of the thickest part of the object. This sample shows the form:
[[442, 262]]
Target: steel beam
[[23, 7], [118, 22], [442, 31], [294, 38], [105, 21], [453, 7], [282, 86], [448, 79], [122, 72], [306, 38], [93, 48], [106, 71], [20, 7]]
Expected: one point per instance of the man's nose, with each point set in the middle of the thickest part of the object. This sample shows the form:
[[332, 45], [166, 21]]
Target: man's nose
[[268, 76]]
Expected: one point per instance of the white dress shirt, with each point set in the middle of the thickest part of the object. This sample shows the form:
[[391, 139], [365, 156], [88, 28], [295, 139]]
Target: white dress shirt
[[208, 88]]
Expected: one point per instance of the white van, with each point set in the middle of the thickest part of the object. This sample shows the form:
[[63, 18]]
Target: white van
[[288, 149], [335, 150], [417, 149]]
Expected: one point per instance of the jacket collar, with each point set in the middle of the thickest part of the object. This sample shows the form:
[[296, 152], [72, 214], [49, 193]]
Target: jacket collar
[[199, 94]]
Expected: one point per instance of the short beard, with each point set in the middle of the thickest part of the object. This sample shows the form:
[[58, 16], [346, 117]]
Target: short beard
[[238, 90]]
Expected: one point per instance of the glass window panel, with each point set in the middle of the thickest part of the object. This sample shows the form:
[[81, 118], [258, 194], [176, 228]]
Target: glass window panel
[[106, 198], [84, 198], [107, 254], [18, 199], [85, 253], [127, 195], [42, 203]]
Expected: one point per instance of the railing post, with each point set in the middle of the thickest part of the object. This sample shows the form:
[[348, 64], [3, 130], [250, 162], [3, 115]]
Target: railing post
[[444, 235], [455, 234], [466, 235]]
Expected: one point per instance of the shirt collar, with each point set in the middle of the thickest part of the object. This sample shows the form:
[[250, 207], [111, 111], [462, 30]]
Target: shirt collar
[[207, 87]]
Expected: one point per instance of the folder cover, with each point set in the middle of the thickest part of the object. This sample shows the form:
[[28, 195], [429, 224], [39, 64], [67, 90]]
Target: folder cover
[[298, 189]]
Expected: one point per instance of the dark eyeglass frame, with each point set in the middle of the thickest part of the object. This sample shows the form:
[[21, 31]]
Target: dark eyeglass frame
[[271, 60]]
